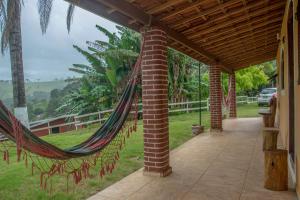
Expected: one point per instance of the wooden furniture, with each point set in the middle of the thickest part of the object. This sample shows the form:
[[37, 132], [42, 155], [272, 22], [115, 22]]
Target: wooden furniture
[[276, 170], [270, 113], [270, 138]]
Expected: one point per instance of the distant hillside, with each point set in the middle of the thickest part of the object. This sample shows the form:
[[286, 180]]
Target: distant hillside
[[31, 88]]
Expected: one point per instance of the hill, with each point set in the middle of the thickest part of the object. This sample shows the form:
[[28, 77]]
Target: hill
[[40, 90]]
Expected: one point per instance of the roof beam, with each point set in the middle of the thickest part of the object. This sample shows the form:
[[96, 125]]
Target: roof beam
[[126, 9], [164, 6]]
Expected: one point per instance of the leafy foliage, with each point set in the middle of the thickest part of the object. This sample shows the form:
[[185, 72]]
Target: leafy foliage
[[110, 63]]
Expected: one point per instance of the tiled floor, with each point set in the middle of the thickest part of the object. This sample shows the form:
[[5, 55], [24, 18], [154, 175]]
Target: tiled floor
[[226, 166]]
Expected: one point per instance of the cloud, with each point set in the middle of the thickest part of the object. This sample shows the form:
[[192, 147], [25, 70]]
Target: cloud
[[49, 56]]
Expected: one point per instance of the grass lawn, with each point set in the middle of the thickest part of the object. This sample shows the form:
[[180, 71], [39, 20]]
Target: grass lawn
[[16, 181]]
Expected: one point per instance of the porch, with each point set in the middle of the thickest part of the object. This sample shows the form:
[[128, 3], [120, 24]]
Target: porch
[[227, 166]]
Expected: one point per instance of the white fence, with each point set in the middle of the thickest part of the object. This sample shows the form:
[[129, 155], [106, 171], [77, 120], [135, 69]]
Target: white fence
[[99, 117]]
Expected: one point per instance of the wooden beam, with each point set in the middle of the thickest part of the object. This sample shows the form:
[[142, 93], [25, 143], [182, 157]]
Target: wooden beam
[[164, 6], [93, 7], [179, 10]]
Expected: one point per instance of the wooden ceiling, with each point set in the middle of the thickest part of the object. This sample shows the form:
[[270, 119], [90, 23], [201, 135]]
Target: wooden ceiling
[[233, 33]]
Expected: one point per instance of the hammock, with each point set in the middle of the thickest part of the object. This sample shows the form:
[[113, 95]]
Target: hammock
[[103, 145]]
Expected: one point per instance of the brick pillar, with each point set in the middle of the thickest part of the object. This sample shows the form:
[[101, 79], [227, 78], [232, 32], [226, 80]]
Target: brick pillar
[[232, 98], [155, 103], [215, 98]]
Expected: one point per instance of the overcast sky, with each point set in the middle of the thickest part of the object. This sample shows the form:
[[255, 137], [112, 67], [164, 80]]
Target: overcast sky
[[49, 56]]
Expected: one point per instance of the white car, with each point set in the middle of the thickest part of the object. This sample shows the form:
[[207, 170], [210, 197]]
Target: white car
[[266, 95]]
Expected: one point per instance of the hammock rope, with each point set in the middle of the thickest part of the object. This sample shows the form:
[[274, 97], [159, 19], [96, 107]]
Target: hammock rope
[[100, 150]]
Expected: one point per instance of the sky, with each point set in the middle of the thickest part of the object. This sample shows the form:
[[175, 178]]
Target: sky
[[48, 57]]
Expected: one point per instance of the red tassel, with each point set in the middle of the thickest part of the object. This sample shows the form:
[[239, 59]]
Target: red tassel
[[7, 156], [32, 168], [68, 183], [41, 179], [25, 158], [102, 172], [4, 155], [45, 183]]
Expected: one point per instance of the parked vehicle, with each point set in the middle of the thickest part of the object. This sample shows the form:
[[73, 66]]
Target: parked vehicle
[[266, 95]]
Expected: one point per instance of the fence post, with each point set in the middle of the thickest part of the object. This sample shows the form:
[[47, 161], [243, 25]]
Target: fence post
[[207, 102], [75, 120], [48, 125], [100, 117], [187, 107]]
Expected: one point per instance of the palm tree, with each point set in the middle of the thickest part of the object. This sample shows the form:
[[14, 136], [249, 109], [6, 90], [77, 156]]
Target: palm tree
[[10, 27], [10, 19]]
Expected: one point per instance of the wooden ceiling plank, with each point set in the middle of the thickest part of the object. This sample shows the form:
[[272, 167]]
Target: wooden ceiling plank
[[228, 32], [237, 20], [237, 53], [220, 17], [258, 34], [273, 21], [229, 48], [205, 12], [164, 6]]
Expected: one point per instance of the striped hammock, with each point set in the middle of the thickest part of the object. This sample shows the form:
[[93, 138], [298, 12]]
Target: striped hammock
[[100, 150]]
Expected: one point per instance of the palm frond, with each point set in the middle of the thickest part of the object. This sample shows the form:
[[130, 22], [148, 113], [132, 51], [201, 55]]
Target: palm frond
[[2, 14], [70, 14], [44, 8], [112, 37]]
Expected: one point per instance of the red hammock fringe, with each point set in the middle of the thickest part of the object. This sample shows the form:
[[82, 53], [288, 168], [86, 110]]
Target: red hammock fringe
[[51, 167]]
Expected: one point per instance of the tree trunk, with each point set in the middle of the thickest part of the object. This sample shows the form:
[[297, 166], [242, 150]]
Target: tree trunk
[[15, 46]]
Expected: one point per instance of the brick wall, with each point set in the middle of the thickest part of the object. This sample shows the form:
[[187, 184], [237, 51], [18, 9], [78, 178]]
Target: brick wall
[[215, 98], [155, 103], [232, 99]]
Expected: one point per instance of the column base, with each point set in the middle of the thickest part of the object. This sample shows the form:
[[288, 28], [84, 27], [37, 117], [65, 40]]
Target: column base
[[215, 130], [164, 173], [21, 114]]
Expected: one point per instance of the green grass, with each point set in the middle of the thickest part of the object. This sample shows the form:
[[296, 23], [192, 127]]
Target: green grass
[[16, 182]]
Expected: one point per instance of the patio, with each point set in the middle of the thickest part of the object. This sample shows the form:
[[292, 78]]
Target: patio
[[227, 166]]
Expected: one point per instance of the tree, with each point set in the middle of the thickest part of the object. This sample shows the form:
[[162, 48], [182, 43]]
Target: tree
[[10, 27], [110, 63], [10, 23]]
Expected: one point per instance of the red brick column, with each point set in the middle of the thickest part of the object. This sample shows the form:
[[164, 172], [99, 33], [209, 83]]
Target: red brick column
[[155, 103], [232, 98], [215, 98]]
